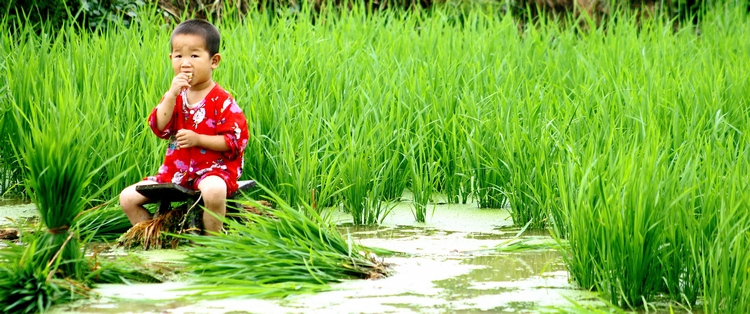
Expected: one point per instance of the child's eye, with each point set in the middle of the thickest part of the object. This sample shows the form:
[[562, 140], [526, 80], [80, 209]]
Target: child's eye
[[194, 56], [178, 56]]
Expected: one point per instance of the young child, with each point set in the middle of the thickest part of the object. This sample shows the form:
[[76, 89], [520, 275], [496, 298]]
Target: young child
[[207, 131]]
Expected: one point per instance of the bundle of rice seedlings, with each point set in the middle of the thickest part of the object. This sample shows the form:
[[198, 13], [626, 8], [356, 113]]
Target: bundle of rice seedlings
[[276, 256], [157, 233], [57, 177], [102, 224], [29, 287], [53, 148]]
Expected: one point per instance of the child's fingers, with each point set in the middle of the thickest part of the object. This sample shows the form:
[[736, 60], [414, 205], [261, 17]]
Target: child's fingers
[[183, 138], [182, 80]]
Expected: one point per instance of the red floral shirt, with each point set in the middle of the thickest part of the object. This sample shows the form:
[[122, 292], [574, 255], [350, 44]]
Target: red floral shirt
[[217, 114]]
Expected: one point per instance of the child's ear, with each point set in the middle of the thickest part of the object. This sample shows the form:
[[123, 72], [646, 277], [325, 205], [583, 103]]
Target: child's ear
[[215, 61]]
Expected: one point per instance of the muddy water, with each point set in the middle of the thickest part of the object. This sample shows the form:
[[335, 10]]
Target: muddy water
[[447, 266], [13, 210]]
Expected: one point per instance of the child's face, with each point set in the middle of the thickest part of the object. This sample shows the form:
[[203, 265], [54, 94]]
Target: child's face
[[189, 55]]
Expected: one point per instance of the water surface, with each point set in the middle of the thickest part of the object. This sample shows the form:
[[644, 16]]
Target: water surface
[[448, 265]]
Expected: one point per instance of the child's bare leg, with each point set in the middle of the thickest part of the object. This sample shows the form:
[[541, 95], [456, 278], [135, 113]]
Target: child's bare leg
[[132, 203], [214, 192]]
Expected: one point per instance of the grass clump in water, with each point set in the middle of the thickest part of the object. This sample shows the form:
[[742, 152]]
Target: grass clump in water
[[51, 267], [29, 287], [102, 224], [278, 255]]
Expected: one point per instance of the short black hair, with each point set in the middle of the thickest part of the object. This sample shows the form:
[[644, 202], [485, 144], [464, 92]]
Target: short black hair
[[200, 28]]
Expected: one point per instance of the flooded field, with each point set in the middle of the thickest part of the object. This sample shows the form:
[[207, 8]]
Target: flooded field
[[12, 210], [447, 265]]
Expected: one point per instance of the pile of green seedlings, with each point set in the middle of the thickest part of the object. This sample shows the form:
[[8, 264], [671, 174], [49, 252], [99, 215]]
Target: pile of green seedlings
[[289, 251]]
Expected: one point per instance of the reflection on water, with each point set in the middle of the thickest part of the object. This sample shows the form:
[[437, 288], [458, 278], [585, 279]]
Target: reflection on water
[[500, 268], [9, 202], [516, 266], [389, 233], [131, 306], [490, 235], [510, 307]]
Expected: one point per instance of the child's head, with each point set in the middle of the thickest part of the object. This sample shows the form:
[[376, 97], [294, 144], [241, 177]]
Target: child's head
[[202, 29], [195, 51]]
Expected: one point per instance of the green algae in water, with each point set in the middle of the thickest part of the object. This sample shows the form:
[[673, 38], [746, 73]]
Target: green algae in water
[[501, 268]]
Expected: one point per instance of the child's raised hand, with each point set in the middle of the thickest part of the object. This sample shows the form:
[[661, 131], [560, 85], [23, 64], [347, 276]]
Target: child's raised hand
[[180, 82], [187, 138]]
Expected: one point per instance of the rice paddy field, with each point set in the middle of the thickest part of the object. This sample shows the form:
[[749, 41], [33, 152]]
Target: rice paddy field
[[625, 143]]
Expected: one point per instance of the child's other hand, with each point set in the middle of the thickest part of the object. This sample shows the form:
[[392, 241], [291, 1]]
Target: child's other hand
[[187, 138], [180, 82]]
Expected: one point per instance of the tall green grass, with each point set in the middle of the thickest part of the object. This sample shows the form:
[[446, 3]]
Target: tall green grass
[[55, 149], [9, 168], [424, 174], [641, 167], [628, 140]]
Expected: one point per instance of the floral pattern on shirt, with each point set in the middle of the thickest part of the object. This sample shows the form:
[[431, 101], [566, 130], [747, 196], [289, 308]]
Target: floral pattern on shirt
[[187, 166]]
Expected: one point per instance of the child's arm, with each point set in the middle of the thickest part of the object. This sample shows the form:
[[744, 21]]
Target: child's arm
[[188, 138], [166, 108]]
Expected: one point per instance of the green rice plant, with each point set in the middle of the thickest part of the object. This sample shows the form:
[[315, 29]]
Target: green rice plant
[[102, 224], [53, 149], [679, 255], [98, 86], [9, 176], [625, 228], [362, 171], [679, 120], [725, 264], [581, 232], [629, 242], [30, 287], [450, 150], [361, 195], [295, 169], [424, 173], [394, 172], [290, 252], [723, 233], [528, 157], [304, 164], [57, 179], [490, 174], [525, 244]]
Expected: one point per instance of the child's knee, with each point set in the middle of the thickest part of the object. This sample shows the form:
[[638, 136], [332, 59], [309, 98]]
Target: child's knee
[[127, 195], [131, 197], [213, 188]]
